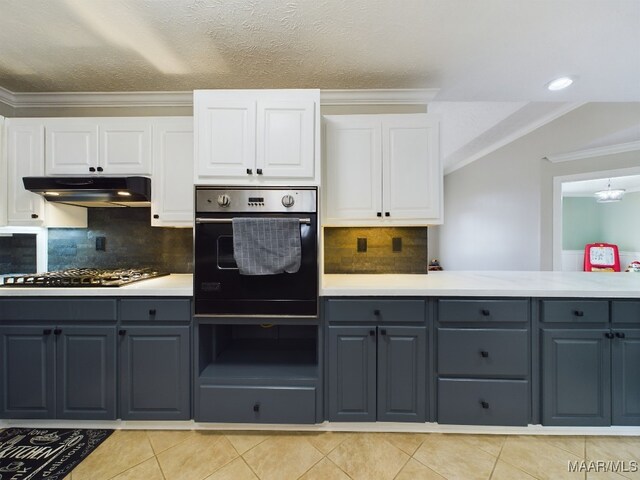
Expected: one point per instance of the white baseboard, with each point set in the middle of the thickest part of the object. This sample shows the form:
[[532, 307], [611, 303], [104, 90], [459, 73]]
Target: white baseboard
[[362, 427]]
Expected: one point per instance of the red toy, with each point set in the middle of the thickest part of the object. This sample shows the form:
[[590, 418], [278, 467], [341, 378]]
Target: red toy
[[601, 257]]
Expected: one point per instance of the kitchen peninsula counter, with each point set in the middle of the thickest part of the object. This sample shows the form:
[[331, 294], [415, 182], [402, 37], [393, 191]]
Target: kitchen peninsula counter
[[174, 285], [486, 284]]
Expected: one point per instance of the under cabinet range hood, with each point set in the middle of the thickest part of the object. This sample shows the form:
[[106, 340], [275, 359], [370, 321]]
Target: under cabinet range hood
[[97, 191]]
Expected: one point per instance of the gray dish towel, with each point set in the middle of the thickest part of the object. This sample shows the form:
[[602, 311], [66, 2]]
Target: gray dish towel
[[266, 246]]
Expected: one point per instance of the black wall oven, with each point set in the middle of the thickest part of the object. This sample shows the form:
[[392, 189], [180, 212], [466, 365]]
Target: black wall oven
[[219, 288]]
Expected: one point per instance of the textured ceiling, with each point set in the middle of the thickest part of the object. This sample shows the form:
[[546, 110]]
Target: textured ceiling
[[490, 50]]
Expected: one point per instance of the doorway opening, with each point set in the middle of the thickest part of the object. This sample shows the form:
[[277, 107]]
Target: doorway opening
[[579, 219]]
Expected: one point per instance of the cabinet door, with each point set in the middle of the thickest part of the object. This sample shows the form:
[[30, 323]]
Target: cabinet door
[[225, 134], [172, 181], [285, 138], [154, 373], [402, 372], [576, 377], [412, 176], [86, 373], [71, 146], [352, 374], [26, 372], [125, 146], [25, 158], [625, 382], [353, 168]]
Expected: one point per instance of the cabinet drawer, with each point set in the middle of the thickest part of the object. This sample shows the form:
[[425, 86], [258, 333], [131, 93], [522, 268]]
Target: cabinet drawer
[[591, 311], [257, 404], [625, 311], [58, 310], [483, 352], [159, 310], [483, 402], [371, 310], [483, 310]]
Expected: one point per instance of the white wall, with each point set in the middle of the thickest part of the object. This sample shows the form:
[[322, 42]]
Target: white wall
[[498, 210]]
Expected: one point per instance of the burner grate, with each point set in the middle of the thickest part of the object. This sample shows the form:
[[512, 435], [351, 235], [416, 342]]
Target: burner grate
[[83, 277]]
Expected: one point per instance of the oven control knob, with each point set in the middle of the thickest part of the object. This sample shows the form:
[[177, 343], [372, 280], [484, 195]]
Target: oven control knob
[[288, 201], [224, 200]]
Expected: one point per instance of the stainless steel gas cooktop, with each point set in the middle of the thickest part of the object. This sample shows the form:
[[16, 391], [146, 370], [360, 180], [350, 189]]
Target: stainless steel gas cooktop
[[82, 277]]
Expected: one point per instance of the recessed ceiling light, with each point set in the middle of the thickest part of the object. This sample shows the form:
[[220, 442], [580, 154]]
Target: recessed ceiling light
[[124, 194], [53, 194], [559, 83]]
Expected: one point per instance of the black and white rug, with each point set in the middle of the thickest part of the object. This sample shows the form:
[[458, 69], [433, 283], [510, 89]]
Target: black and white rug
[[39, 454]]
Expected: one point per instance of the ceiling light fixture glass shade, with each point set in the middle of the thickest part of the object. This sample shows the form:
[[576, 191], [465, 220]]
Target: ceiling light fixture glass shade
[[559, 83], [608, 195]]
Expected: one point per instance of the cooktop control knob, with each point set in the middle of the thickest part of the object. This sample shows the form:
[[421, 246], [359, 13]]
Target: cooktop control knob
[[224, 200], [288, 201]]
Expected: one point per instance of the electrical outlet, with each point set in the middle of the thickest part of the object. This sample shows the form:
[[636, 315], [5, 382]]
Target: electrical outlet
[[362, 245], [101, 244], [396, 244]]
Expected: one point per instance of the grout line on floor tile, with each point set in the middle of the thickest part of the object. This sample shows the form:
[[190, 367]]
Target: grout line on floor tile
[[339, 467], [425, 465], [267, 434], [158, 453], [404, 465], [250, 467], [522, 470], [305, 472], [161, 470], [495, 464], [132, 466]]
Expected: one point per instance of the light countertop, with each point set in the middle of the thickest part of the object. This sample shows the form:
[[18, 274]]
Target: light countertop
[[443, 284], [174, 285], [490, 284]]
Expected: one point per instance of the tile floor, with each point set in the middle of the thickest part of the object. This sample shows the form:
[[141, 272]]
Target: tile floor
[[209, 455]]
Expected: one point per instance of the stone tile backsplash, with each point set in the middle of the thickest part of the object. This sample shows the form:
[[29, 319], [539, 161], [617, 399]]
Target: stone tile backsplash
[[130, 242], [341, 253], [18, 253]]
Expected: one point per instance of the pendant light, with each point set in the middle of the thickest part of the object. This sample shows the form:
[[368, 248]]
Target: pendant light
[[608, 195]]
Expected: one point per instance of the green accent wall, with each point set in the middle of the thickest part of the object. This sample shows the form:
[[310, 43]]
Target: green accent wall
[[586, 221]]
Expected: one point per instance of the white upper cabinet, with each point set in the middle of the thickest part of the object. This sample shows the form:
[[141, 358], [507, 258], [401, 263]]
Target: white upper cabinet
[[286, 138], [125, 146], [412, 177], [25, 158], [256, 136], [382, 170], [172, 180], [353, 166], [226, 134], [71, 146], [85, 146]]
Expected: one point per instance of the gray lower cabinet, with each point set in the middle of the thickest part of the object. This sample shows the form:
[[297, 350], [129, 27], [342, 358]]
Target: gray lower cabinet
[[154, 373], [483, 361], [377, 373], [590, 365], [27, 372], [576, 377], [252, 371], [625, 377], [58, 372], [68, 361]]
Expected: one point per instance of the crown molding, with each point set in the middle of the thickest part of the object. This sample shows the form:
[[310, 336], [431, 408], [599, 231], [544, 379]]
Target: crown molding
[[594, 152], [410, 96], [185, 99], [7, 97]]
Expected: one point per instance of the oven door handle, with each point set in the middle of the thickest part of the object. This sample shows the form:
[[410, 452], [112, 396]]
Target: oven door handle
[[228, 220]]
